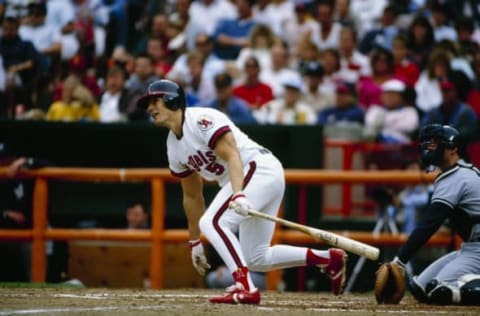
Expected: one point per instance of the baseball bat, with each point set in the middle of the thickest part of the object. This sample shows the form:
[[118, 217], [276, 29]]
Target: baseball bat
[[330, 238]]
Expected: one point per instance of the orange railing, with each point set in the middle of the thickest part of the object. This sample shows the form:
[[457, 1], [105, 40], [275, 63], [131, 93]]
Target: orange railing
[[348, 150], [158, 235]]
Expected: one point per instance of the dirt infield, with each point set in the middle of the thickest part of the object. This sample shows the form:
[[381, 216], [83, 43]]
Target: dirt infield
[[72, 301]]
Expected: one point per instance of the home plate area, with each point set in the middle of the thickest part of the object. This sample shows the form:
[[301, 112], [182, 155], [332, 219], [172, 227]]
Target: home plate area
[[99, 301]]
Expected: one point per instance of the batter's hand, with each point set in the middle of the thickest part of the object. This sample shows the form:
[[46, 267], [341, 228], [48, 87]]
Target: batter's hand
[[240, 204], [198, 256]]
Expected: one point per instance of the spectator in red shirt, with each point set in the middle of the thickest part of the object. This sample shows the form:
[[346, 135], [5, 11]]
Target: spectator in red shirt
[[404, 68], [254, 92]]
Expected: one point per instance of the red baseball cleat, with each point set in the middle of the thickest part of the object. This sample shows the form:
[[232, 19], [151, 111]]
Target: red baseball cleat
[[336, 270], [236, 294]]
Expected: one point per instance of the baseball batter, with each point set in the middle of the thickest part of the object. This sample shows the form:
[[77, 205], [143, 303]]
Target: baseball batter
[[455, 277], [204, 143]]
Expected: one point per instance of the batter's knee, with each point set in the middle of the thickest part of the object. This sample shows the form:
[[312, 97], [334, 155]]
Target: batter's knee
[[205, 223], [258, 263], [418, 291]]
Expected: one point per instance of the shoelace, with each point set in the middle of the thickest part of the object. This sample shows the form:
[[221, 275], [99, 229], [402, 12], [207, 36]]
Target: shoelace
[[237, 287]]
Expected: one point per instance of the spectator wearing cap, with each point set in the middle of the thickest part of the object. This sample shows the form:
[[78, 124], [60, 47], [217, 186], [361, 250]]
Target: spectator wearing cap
[[315, 93], [452, 111], [288, 109], [395, 121], [345, 111], [235, 108], [255, 92]]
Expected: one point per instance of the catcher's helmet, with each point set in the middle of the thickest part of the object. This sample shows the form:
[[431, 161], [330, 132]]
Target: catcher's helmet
[[445, 136], [172, 94]]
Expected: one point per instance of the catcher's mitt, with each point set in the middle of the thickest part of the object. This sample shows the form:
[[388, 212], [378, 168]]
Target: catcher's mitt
[[390, 283]]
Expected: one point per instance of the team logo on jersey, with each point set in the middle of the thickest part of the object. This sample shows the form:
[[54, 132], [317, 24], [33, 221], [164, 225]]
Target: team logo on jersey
[[205, 123]]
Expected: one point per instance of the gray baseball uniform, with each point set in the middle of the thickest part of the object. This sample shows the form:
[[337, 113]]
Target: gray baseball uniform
[[456, 196]]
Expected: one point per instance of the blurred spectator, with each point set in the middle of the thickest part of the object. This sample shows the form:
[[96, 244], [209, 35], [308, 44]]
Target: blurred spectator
[[457, 62], [420, 40], [143, 75], [198, 86], [465, 28], [4, 109], [235, 108], [280, 70], [260, 42], [231, 35], [137, 216], [160, 60], [395, 122], [297, 28], [212, 64], [370, 87], [157, 29], [281, 13], [441, 16], [412, 199], [342, 12], [366, 13], [117, 104], [404, 68], [77, 66], [306, 53], [345, 111], [252, 90], [45, 38], [331, 66], [85, 105], [314, 94], [205, 15], [427, 88], [21, 61], [326, 33], [353, 64], [383, 35], [289, 109], [63, 110], [474, 96], [452, 111]]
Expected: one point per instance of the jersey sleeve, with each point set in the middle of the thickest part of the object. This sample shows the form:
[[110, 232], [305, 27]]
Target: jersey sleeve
[[210, 127], [447, 192]]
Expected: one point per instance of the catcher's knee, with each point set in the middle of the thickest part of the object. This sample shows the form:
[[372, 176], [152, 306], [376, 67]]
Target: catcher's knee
[[418, 291], [442, 293], [470, 291]]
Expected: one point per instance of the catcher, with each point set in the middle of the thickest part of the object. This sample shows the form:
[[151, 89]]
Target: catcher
[[455, 277]]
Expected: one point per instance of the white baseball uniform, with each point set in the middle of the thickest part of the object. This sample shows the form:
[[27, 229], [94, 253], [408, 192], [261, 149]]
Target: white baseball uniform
[[264, 185]]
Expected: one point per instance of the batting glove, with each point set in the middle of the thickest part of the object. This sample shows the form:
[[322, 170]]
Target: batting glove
[[198, 256], [240, 204]]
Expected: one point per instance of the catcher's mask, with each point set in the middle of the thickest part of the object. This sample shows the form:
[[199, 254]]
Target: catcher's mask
[[172, 94], [443, 136]]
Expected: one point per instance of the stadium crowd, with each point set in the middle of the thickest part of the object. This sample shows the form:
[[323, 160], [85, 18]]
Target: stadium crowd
[[386, 67]]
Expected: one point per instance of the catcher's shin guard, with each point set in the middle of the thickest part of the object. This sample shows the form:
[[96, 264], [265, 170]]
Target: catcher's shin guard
[[417, 290]]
